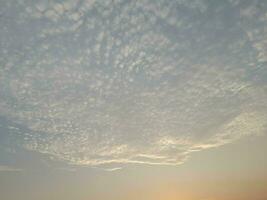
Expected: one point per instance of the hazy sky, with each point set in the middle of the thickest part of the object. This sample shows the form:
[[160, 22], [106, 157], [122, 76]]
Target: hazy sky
[[149, 99]]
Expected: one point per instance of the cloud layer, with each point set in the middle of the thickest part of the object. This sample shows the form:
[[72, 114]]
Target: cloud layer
[[99, 82]]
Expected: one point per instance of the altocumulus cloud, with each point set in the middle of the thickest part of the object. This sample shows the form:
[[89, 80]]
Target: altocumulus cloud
[[98, 82]]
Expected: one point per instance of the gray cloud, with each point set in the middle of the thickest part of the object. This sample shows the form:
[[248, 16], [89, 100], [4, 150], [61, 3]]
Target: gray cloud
[[149, 82]]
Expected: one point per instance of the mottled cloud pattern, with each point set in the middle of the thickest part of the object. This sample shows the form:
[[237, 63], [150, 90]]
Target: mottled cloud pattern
[[98, 82]]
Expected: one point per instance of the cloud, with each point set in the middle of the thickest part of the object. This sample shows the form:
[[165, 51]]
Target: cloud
[[5, 168], [67, 169], [125, 82], [113, 169]]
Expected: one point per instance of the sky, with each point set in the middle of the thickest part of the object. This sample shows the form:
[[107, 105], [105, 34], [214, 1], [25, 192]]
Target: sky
[[123, 99]]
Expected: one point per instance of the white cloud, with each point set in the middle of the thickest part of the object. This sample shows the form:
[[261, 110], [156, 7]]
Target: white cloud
[[113, 169], [138, 83]]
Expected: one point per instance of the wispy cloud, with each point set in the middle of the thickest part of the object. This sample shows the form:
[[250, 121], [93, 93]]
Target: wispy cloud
[[67, 169], [113, 169], [5, 168]]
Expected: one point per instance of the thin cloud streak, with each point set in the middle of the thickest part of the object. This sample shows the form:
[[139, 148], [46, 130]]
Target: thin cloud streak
[[5, 168]]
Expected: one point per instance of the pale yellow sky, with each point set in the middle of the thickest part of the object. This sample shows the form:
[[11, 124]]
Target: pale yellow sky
[[232, 172]]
